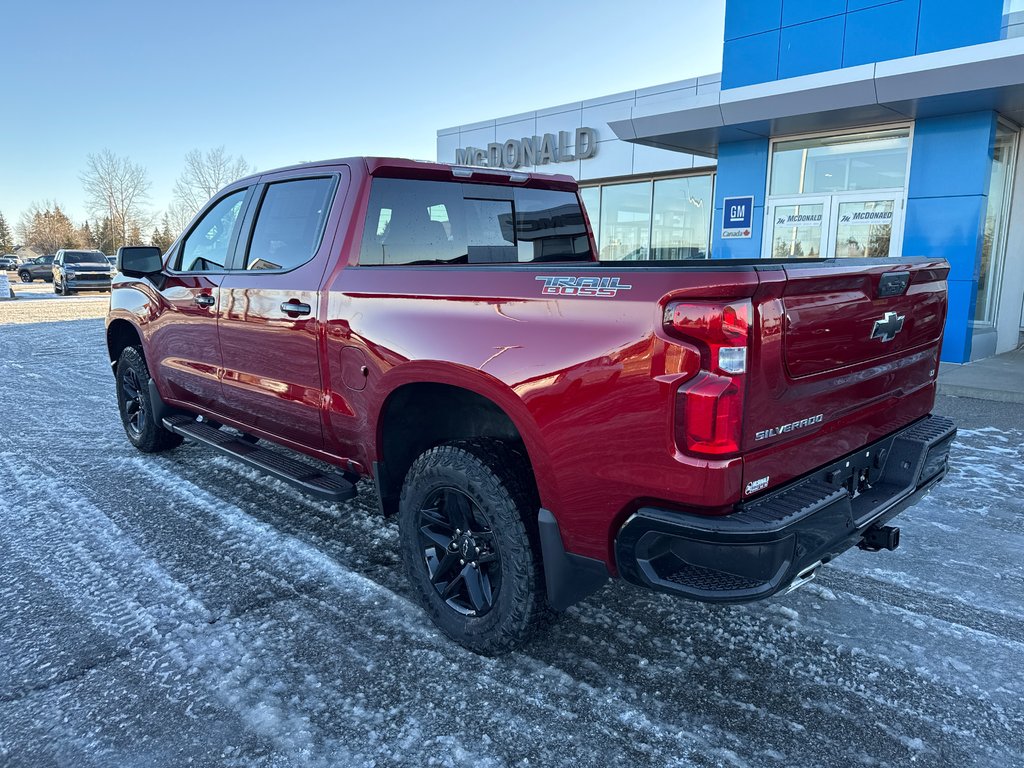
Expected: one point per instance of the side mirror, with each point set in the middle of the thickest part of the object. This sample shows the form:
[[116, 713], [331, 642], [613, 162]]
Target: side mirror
[[139, 260]]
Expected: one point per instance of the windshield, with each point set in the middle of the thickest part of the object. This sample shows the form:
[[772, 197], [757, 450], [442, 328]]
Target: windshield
[[84, 257]]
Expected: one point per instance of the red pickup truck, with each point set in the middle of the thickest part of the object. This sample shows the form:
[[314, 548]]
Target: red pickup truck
[[539, 421]]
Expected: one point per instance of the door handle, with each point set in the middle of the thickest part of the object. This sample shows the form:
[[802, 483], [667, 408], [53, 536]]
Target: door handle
[[204, 300], [295, 308]]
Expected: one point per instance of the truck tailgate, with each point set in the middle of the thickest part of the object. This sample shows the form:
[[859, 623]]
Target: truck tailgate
[[845, 353]]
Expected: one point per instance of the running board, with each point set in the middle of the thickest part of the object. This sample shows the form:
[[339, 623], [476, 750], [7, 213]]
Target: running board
[[333, 486]]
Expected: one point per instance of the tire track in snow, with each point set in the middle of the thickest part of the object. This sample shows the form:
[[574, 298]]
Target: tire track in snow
[[129, 596]]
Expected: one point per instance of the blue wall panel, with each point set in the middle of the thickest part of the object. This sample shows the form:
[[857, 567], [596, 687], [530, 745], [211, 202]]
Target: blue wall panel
[[875, 30], [951, 228], [742, 170], [749, 17], [948, 24], [813, 47], [856, 5], [749, 60], [946, 227], [950, 164], [800, 11], [956, 342], [884, 32], [952, 155]]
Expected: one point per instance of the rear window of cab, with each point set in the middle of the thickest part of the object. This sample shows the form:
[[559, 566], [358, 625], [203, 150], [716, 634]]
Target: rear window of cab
[[413, 222]]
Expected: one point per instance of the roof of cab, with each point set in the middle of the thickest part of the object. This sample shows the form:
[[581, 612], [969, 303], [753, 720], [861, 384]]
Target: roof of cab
[[426, 169]]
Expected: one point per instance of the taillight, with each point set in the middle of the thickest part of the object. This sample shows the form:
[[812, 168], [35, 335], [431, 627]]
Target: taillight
[[709, 407]]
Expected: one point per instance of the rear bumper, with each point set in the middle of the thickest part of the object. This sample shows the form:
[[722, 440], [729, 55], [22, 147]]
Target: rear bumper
[[767, 543]]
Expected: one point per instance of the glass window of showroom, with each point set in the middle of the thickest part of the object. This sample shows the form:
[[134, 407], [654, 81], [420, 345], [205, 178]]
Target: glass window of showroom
[[837, 195], [659, 219]]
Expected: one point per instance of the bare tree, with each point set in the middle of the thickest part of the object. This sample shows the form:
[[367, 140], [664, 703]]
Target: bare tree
[[205, 173], [117, 188], [177, 216]]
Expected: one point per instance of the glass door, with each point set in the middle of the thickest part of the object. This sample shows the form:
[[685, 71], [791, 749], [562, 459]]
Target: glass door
[[796, 228], [865, 226]]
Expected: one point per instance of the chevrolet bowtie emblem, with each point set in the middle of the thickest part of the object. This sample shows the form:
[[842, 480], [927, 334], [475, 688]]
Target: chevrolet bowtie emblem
[[887, 328]]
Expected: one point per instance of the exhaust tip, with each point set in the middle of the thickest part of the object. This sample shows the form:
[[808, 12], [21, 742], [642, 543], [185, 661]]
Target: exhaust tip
[[805, 576]]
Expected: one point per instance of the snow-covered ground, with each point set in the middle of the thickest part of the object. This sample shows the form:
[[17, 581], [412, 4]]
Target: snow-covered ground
[[179, 609]]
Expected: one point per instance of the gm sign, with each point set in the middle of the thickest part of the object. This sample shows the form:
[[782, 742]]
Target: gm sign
[[737, 216]]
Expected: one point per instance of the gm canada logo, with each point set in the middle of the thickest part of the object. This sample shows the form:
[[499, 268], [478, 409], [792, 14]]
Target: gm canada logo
[[887, 328], [581, 286]]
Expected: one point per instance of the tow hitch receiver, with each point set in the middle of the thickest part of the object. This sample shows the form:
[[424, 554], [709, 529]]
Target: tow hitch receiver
[[880, 537]]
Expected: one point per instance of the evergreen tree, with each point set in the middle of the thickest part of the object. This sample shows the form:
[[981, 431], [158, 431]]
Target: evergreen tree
[[85, 236], [6, 239], [162, 236], [47, 229], [104, 236]]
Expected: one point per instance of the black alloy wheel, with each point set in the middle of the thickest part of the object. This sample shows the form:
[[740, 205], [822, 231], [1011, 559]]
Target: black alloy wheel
[[134, 404], [25, 277], [459, 552], [469, 542]]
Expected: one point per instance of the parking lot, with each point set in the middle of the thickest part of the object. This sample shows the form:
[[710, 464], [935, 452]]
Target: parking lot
[[179, 609]]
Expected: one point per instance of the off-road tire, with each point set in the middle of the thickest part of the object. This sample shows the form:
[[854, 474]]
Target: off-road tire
[[498, 481], [132, 381]]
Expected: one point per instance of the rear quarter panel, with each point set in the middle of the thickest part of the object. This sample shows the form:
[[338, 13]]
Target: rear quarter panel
[[588, 381]]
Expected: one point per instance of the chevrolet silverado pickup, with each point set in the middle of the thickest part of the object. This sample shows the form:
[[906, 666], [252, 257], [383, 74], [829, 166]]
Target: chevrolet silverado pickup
[[538, 420]]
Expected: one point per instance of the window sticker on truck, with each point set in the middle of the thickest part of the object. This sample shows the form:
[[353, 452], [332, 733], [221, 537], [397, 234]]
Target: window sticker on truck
[[756, 485], [581, 286]]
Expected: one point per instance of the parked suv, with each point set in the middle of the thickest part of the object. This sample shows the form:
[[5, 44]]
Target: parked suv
[[81, 271], [539, 421], [39, 268], [9, 262]]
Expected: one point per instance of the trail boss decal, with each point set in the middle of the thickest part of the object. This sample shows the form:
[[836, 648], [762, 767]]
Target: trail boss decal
[[776, 431], [582, 286]]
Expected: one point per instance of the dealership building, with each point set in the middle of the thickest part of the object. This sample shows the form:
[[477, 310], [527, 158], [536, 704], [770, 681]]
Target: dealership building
[[835, 128]]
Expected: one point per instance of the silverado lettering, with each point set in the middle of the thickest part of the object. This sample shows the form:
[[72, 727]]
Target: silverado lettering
[[776, 431], [449, 333]]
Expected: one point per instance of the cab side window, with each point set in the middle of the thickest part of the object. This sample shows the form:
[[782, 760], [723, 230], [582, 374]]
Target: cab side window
[[290, 223], [206, 248]]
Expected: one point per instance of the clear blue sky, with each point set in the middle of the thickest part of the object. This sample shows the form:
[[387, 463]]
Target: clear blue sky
[[283, 82]]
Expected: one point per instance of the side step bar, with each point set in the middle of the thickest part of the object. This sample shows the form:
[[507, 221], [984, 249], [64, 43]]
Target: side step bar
[[333, 486]]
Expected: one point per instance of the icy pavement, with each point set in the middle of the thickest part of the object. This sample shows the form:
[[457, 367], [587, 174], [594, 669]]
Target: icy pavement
[[179, 609]]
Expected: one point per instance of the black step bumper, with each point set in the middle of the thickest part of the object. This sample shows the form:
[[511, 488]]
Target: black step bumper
[[769, 542]]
